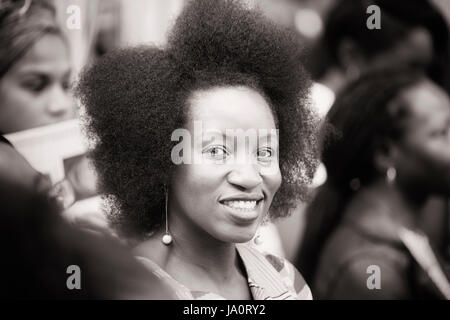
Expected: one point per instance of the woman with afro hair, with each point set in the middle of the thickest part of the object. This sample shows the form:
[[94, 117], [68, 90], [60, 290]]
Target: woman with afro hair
[[191, 211]]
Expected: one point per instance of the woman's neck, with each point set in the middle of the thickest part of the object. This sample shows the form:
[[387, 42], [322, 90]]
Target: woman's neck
[[194, 255], [195, 247], [405, 204]]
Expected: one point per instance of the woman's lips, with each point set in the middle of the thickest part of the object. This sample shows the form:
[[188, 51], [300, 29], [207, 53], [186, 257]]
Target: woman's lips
[[242, 211], [241, 204]]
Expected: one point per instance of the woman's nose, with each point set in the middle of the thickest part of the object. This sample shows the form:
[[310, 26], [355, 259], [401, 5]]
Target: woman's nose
[[60, 105], [245, 176]]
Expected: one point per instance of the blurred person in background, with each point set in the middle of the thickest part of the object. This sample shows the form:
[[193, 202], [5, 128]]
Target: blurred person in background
[[35, 78], [387, 152], [227, 67], [411, 33], [35, 67], [341, 48], [38, 246]]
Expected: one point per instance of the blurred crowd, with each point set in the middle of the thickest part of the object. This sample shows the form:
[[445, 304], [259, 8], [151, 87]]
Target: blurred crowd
[[380, 196]]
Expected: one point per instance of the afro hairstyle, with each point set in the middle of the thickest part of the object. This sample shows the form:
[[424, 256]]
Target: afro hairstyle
[[136, 97]]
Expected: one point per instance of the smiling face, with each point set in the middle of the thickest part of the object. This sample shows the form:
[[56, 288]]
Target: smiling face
[[35, 91], [423, 157], [228, 194]]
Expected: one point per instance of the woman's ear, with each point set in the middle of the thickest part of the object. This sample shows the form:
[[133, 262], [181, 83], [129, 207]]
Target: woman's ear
[[386, 156], [351, 58]]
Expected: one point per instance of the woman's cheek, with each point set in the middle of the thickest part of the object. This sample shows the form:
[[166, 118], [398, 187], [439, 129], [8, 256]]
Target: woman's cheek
[[272, 178], [208, 173]]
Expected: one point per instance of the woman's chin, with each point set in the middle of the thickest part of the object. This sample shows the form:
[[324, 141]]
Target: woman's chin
[[243, 240], [238, 237]]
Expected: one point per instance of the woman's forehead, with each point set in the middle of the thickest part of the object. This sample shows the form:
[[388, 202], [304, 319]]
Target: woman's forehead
[[428, 104], [48, 55], [225, 108]]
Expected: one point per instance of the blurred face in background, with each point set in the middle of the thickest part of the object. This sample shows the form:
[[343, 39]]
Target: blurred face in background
[[415, 49], [423, 157], [35, 91]]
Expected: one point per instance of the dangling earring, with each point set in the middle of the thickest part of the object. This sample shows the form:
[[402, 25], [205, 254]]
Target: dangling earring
[[258, 240], [391, 174], [167, 238]]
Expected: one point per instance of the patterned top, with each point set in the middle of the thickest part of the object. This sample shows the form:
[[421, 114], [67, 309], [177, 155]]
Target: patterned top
[[269, 278]]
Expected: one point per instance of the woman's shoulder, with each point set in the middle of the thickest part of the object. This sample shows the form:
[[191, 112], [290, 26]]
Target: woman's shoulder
[[348, 260], [278, 268], [349, 243], [178, 290], [368, 275]]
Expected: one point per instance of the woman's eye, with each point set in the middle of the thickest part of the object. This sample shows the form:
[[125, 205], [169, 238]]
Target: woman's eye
[[265, 154], [35, 85], [216, 152], [441, 133]]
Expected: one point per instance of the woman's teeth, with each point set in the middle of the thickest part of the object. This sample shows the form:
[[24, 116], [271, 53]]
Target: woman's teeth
[[242, 205]]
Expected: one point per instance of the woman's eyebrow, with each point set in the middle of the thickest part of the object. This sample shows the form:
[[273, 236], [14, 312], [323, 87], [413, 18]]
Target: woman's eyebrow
[[269, 136], [214, 135], [33, 73], [44, 69]]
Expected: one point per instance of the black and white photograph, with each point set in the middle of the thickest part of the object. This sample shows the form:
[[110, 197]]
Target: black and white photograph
[[225, 150]]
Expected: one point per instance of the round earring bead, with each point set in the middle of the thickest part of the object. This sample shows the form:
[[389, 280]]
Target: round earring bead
[[167, 239], [257, 240]]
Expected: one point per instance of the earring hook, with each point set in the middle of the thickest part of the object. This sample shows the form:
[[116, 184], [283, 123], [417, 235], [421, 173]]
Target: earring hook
[[167, 238]]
